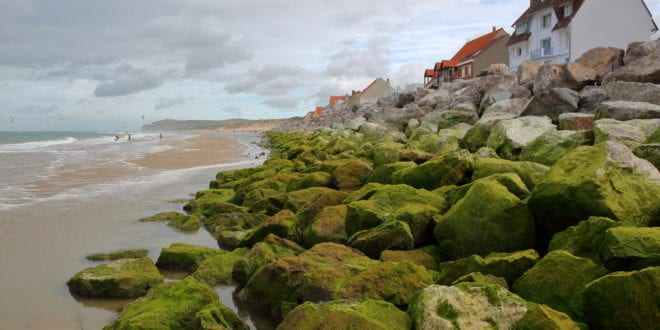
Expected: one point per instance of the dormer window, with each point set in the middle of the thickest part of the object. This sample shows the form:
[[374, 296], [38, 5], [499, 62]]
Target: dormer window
[[521, 28], [568, 10], [547, 20]]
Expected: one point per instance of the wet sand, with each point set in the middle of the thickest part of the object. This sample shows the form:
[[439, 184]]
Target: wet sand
[[42, 245]]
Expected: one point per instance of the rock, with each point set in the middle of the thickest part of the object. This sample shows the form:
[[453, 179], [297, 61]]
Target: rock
[[383, 173], [488, 83], [417, 156], [123, 254], [162, 216], [437, 172], [217, 270], [327, 226], [530, 173], [435, 98], [391, 234], [216, 316], [181, 256], [527, 72], [548, 148], [558, 280], [643, 70], [309, 203], [282, 224], [171, 305], [509, 266], [355, 123], [552, 103], [495, 69], [510, 136], [395, 282], [387, 153], [336, 314], [488, 219], [461, 113], [405, 99], [479, 278], [479, 306], [423, 257], [477, 136], [603, 60], [633, 92], [603, 180], [650, 152], [550, 76], [123, 278], [582, 75], [484, 152], [625, 110], [494, 96], [624, 300], [304, 181], [576, 121], [640, 49], [590, 99], [584, 239], [230, 238], [631, 248], [271, 249], [210, 204], [631, 133], [351, 175], [189, 223]]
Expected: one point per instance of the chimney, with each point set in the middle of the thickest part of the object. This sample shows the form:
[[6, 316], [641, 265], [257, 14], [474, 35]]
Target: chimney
[[494, 29]]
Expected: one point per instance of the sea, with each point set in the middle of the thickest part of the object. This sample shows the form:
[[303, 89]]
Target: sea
[[65, 195]]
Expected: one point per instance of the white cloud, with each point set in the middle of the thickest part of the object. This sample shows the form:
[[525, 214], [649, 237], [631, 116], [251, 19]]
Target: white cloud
[[128, 80], [170, 102]]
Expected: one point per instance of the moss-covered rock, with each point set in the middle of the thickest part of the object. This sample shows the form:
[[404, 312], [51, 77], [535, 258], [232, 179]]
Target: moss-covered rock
[[122, 254], [650, 152], [624, 300], [218, 223], [584, 239], [387, 153], [123, 278], [346, 314], [480, 278], [186, 223], [168, 306], [509, 266], [282, 224], [453, 168], [162, 216], [422, 257], [352, 175], [509, 137], [262, 253], [544, 317], [392, 234], [216, 316], [210, 205], [531, 173], [225, 194], [558, 280], [276, 181], [488, 219], [310, 202], [230, 238], [383, 174], [511, 181], [217, 270], [548, 148], [182, 256], [328, 226], [603, 180], [304, 181], [630, 248]]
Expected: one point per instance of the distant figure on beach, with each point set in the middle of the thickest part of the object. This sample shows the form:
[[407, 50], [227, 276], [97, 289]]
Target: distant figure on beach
[[129, 137], [116, 137], [160, 136]]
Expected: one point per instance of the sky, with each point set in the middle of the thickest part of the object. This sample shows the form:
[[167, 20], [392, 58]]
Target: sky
[[116, 65]]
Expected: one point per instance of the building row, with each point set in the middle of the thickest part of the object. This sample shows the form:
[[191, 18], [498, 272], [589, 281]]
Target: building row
[[369, 95]]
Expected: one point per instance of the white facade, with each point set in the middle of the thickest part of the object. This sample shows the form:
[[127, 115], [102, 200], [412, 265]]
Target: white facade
[[598, 23]]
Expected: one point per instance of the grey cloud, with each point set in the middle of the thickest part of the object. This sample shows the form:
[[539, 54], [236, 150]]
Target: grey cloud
[[369, 60], [128, 80], [170, 102], [284, 101], [271, 79], [233, 110], [35, 109]]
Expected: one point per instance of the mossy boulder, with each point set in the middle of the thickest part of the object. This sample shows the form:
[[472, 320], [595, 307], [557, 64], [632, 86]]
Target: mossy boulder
[[282, 224], [352, 175], [650, 152], [271, 249], [186, 223], [548, 148], [604, 180], [558, 280], [509, 266], [511, 181], [488, 219], [387, 153], [123, 278], [209, 205], [480, 278], [344, 314], [122, 254], [226, 194], [304, 181], [230, 238], [218, 223], [531, 173], [276, 181], [216, 316], [479, 306], [624, 300], [422, 257], [584, 239], [311, 202], [509, 137], [383, 174], [453, 168], [329, 225], [162, 216], [217, 270], [630, 248], [392, 234], [171, 305], [182, 256]]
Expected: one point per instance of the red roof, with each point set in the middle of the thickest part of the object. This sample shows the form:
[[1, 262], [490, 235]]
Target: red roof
[[449, 63], [334, 99], [437, 66], [429, 73], [319, 111], [478, 44]]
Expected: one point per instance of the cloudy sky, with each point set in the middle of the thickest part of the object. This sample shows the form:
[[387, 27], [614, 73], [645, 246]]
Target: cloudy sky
[[119, 64]]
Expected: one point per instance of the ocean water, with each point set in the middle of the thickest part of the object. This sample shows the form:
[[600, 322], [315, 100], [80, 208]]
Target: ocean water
[[65, 195]]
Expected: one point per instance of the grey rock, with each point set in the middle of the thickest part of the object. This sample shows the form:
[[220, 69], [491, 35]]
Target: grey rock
[[625, 110], [603, 60], [435, 98], [633, 91], [637, 50], [591, 97], [576, 121], [510, 136], [527, 72], [494, 96], [495, 69], [631, 133], [552, 103]]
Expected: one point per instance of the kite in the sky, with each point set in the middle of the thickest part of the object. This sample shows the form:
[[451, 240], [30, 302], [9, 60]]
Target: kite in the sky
[[11, 119]]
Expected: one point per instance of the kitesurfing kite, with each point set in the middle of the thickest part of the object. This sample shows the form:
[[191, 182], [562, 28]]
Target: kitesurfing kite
[[142, 117], [11, 119]]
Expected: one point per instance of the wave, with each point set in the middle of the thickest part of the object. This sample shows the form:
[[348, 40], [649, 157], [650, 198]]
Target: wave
[[28, 146]]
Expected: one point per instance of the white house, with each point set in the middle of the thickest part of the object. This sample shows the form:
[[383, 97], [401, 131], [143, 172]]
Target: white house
[[559, 31]]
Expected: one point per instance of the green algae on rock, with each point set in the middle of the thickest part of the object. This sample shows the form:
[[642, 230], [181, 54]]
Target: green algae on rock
[[453, 168], [423, 257], [217, 269], [343, 314], [509, 266], [383, 173], [352, 175], [548, 148], [216, 316], [271, 249], [168, 306], [123, 278], [630, 248], [531, 173], [391, 234], [122, 254], [584, 239], [182, 256], [329, 225], [282, 224]]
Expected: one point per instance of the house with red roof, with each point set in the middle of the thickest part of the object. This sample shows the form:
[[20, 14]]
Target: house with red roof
[[318, 112], [476, 55], [370, 94], [335, 103], [560, 31]]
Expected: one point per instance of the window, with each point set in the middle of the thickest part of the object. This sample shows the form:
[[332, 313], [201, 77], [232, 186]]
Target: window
[[546, 46], [568, 10], [547, 19], [521, 28], [518, 52]]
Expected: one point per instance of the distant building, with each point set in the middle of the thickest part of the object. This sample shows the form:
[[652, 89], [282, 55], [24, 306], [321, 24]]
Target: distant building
[[318, 112], [559, 31], [335, 103], [375, 90]]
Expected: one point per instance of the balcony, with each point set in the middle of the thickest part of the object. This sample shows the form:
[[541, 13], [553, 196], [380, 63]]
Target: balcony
[[543, 52]]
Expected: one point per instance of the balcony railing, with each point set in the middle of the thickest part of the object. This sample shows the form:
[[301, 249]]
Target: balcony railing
[[547, 51]]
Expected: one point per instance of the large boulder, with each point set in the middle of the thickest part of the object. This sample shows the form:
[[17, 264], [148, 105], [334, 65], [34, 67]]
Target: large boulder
[[182, 256], [480, 306], [510, 136], [584, 239], [283, 224], [177, 220], [640, 49], [216, 316], [552, 103], [339, 314], [308, 180], [487, 219], [217, 270], [576, 121], [383, 173], [603, 180], [494, 96], [387, 153], [631, 133], [505, 265], [558, 280], [271, 249], [625, 110], [650, 152], [495, 69], [171, 305], [351, 175], [440, 171], [123, 278], [531, 173], [643, 70], [527, 72], [603, 60], [477, 136], [634, 92], [460, 113], [425, 257], [624, 300], [550, 76], [548, 148], [591, 97], [392, 234], [581, 75], [629, 248], [328, 226], [435, 98]]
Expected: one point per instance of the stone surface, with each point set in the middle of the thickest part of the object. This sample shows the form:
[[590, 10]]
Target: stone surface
[[434, 98], [495, 69], [527, 72], [271, 249], [630, 248], [531, 173], [650, 152], [122, 254], [625, 110], [182, 256], [576, 121], [510, 136], [217, 270], [123, 278], [505, 265], [351, 175], [550, 76], [437, 172], [460, 113], [640, 49], [552, 103], [328, 226], [634, 92], [548, 148], [391, 234], [216, 316], [425, 257], [582, 75], [603, 60], [631, 133], [591, 97], [643, 70], [477, 136], [583, 239]]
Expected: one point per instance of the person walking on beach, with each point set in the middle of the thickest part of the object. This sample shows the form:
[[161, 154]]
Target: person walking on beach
[[129, 137], [160, 136]]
